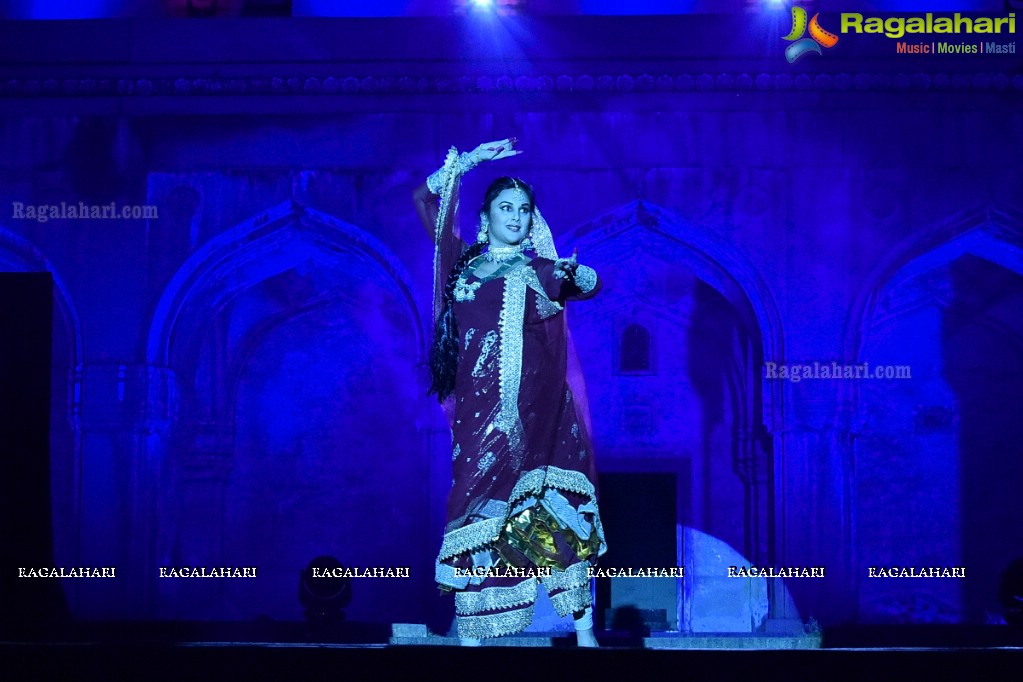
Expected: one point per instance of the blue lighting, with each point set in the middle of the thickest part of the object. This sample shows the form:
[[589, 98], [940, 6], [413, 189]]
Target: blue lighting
[[65, 9]]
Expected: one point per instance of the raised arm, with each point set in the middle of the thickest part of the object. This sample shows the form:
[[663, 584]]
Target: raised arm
[[427, 206], [428, 196], [436, 201]]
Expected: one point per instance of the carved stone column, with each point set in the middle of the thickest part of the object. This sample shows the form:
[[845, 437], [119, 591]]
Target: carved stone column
[[193, 519], [814, 515], [125, 414]]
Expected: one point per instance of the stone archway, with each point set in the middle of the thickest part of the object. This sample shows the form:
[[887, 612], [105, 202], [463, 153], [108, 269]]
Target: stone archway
[[18, 254], [937, 454], [703, 413], [293, 347]]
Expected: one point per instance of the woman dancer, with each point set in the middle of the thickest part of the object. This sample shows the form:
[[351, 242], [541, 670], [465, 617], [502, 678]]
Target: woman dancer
[[522, 508]]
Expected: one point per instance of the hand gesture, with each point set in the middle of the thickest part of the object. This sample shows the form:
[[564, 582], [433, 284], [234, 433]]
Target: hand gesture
[[499, 149], [565, 267]]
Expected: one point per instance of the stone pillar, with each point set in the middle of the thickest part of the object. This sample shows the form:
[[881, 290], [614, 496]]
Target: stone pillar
[[783, 616], [193, 518], [126, 412], [813, 512]]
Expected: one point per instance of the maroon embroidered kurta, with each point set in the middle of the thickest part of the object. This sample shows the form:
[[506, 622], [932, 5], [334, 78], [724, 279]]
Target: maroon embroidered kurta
[[522, 509]]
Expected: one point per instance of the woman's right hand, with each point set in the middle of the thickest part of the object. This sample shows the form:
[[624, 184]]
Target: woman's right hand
[[500, 149]]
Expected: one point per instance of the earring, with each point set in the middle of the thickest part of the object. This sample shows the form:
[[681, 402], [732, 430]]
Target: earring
[[527, 244], [484, 234]]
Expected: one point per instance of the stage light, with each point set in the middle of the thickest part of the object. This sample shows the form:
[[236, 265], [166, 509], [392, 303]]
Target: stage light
[[324, 595], [774, 6], [489, 7]]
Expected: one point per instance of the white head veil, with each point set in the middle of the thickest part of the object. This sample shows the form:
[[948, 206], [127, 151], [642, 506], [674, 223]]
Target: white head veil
[[540, 235]]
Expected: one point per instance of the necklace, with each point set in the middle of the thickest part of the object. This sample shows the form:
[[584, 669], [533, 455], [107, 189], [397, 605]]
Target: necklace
[[502, 254]]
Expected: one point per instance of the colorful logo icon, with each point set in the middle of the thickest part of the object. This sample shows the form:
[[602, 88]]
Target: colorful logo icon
[[818, 36]]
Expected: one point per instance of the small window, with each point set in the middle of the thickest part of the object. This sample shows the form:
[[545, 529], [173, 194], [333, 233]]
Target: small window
[[634, 354]]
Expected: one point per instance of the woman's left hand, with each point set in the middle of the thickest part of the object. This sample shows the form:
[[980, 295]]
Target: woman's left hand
[[565, 267]]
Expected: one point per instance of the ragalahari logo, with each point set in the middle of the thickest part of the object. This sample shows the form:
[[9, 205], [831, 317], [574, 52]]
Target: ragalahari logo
[[818, 36]]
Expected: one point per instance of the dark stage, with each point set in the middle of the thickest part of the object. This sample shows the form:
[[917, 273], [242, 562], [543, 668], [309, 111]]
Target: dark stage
[[168, 652]]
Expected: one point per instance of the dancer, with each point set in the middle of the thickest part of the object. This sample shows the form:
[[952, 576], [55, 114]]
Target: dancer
[[523, 505]]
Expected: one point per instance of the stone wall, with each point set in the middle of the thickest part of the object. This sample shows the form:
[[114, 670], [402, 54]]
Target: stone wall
[[241, 378]]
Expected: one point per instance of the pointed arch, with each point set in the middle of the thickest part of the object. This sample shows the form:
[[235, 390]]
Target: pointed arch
[[716, 260], [952, 422], [274, 281], [18, 254], [993, 233], [673, 275], [237, 250]]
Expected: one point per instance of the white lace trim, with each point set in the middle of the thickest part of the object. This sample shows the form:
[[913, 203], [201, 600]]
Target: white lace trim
[[494, 598], [495, 625]]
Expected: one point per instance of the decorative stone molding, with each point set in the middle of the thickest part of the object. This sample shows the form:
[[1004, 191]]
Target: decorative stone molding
[[559, 84]]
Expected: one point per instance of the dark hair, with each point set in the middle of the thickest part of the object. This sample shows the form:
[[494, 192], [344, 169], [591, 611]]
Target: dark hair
[[501, 184], [444, 351]]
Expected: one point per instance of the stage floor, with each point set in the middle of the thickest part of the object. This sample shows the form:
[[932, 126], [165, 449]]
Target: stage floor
[[237, 661], [285, 651]]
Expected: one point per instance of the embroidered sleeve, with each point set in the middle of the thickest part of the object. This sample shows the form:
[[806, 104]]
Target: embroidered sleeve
[[585, 278], [439, 179], [585, 284], [436, 203], [435, 183]]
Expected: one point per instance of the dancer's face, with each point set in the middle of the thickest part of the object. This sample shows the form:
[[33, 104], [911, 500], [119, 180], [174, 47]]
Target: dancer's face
[[511, 216]]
